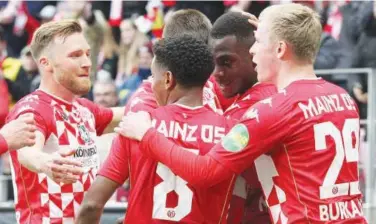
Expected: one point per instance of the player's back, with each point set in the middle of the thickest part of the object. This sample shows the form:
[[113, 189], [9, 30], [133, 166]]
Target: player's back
[[312, 177], [155, 190], [247, 203]]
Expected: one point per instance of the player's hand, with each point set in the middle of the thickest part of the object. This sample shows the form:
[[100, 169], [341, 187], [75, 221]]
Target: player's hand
[[62, 169], [134, 125], [252, 19], [20, 133]]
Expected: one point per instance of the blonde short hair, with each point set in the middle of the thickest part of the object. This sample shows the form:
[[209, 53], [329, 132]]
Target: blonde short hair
[[298, 25], [46, 33]]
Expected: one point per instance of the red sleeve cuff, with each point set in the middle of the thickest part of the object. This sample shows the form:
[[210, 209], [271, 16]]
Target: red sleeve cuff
[[108, 115], [3, 145], [111, 176]]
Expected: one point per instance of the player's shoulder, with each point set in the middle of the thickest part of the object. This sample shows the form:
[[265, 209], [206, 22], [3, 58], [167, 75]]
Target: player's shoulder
[[36, 102], [142, 100], [264, 88], [273, 107], [145, 87], [258, 92], [200, 114]]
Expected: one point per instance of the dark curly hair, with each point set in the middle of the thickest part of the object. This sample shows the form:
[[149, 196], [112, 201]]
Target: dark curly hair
[[189, 60], [233, 23]]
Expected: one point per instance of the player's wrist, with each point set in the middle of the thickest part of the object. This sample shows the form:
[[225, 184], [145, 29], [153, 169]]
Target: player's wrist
[[43, 165]]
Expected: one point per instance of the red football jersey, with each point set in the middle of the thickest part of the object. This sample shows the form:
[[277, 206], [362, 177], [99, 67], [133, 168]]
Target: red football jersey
[[157, 194], [247, 203], [38, 199], [144, 100], [311, 176]]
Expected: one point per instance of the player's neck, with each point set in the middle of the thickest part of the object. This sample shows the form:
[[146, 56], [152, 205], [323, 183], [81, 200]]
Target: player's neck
[[289, 73], [57, 90], [191, 97]]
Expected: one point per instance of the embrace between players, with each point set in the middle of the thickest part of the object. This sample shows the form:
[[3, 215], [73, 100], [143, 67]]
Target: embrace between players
[[202, 141]]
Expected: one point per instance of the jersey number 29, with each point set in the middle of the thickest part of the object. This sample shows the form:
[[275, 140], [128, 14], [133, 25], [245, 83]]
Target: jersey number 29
[[346, 151]]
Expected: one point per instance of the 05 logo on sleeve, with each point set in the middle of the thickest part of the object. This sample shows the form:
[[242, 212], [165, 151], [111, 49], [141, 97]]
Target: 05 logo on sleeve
[[237, 139]]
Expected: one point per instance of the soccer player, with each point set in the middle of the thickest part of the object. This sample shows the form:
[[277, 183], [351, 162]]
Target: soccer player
[[182, 22], [180, 68], [17, 134], [52, 176], [312, 127], [231, 38]]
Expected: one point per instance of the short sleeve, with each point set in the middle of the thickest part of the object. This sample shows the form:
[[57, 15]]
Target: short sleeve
[[41, 113], [116, 166], [261, 129], [102, 115]]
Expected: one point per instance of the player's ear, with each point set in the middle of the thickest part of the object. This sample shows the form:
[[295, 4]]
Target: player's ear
[[45, 64], [282, 49], [170, 80]]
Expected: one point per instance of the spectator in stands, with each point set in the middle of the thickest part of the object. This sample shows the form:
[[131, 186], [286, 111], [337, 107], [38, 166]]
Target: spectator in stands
[[47, 13], [253, 7], [94, 33], [330, 51], [364, 54], [131, 41], [343, 27], [359, 91], [109, 54], [20, 84], [131, 83], [9, 66], [350, 31], [104, 92], [15, 40], [212, 9], [4, 100]]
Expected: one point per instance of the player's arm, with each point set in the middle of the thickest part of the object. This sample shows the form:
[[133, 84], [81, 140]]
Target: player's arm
[[95, 200], [118, 113], [55, 165], [200, 171], [113, 174], [252, 137], [18, 133]]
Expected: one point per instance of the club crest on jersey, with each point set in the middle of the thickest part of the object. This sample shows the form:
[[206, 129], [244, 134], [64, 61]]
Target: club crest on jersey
[[85, 135], [237, 139], [171, 213]]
